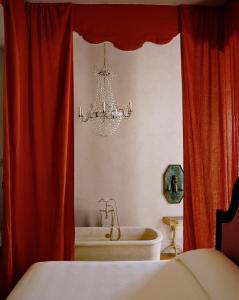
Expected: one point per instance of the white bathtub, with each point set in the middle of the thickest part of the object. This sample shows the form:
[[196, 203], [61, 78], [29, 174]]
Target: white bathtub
[[136, 243]]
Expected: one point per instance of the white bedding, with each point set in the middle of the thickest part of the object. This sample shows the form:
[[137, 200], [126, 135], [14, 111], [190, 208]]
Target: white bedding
[[200, 274]]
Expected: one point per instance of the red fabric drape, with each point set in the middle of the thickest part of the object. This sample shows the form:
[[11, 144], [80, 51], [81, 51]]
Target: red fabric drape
[[210, 119], [126, 26], [38, 150], [231, 50], [50, 129], [13, 154]]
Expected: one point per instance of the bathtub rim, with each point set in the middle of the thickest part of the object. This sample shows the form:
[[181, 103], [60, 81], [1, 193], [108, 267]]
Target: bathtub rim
[[158, 239]]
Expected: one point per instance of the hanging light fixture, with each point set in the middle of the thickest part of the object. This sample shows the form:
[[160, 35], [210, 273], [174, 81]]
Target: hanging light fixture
[[105, 114]]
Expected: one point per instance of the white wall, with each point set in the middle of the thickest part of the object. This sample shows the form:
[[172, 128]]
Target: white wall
[[130, 165], [1, 129]]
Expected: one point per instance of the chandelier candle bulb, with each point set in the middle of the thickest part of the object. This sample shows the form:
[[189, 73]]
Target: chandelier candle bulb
[[104, 107], [80, 112], [130, 106]]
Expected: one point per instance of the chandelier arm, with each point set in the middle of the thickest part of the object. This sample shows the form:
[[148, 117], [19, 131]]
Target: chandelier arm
[[115, 114], [84, 118]]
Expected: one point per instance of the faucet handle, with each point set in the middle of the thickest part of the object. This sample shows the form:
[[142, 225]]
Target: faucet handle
[[101, 200], [106, 207], [106, 200]]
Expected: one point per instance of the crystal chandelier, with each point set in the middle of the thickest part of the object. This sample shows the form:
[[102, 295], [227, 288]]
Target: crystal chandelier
[[105, 114]]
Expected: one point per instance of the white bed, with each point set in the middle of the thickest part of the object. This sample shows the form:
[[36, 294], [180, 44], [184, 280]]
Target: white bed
[[200, 274]]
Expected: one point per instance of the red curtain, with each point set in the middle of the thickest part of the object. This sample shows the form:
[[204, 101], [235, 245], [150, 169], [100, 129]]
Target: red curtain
[[14, 92], [126, 26], [50, 130], [38, 149], [210, 117]]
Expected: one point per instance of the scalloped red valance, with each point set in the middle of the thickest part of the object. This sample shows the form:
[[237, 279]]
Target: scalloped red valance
[[128, 27]]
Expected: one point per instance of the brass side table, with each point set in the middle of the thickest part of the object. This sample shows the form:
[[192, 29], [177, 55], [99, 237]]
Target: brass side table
[[172, 222]]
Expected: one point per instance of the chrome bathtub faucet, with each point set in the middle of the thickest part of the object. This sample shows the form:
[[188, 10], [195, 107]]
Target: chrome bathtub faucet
[[110, 210]]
